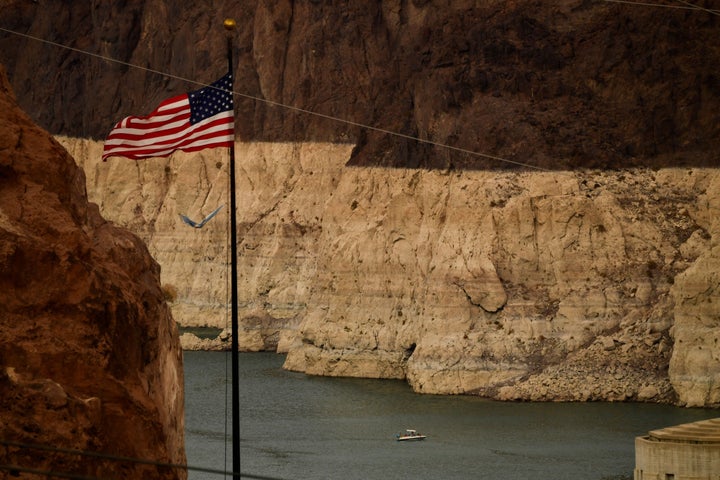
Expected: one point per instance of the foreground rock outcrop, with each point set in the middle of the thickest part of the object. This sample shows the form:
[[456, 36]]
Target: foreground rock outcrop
[[578, 285], [89, 352]]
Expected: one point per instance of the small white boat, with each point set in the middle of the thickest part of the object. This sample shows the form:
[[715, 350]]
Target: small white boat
[[410, 434]]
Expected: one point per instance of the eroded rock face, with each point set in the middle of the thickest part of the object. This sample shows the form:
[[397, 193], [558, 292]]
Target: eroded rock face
[[541, 286], [89, 352], [516, 286], [277, 235], [561, 85], [695, 364]]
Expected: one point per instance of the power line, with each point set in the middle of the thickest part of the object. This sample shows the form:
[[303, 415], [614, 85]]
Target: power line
[[14, 470], [688, 6], [281, 105], [714, 12], [116, 458]]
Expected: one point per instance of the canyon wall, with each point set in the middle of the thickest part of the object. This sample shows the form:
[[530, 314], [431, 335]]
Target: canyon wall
[[577, 285], [89, 353], [560, 85], [586, 275]]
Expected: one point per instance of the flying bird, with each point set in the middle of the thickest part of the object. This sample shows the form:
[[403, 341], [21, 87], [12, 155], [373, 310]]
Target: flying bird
[[195, 224]]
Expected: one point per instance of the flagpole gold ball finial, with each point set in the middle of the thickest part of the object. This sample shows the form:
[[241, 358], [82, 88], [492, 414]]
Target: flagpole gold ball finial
[[229, 24]]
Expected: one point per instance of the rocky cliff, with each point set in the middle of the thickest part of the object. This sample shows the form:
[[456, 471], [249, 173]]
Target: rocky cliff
[[590, 278], [578, 285], [558, 85], [89, 353]]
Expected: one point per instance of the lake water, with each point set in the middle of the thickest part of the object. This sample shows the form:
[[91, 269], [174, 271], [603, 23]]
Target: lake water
[[294, 426]]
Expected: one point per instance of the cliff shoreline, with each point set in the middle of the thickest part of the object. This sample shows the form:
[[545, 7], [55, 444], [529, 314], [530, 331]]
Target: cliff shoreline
[[577, 285]]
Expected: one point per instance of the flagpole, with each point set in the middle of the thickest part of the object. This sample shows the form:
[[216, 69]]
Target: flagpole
[[229, 25]]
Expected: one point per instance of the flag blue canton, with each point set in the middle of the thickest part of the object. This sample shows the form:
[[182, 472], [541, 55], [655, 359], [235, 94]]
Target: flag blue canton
[[211, 100]]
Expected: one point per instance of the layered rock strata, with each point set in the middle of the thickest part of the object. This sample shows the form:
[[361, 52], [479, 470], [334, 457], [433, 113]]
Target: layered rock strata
[[89, 353], [564, 84], [576, 285]]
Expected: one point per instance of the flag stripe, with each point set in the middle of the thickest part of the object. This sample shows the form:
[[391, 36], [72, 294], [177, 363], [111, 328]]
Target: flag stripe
[[175, 130], [219, 132], [187, 122], [222, 128], [176, 125]]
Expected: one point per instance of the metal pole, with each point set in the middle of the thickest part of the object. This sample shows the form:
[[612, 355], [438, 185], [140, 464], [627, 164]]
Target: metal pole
[[229, 25]]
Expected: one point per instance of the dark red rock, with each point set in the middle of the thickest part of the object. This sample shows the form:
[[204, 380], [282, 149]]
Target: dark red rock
[[89, 352]]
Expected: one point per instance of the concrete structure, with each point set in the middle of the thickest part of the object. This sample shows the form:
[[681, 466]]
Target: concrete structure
[[684, 452]]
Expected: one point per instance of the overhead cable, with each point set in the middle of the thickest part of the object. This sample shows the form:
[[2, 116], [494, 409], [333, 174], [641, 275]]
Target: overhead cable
[[116, 458], [281, 105], [687, 6], [15, 470], [697, 7]]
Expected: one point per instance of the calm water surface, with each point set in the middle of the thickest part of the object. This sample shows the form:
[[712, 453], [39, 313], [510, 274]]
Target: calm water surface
[[294, 426]]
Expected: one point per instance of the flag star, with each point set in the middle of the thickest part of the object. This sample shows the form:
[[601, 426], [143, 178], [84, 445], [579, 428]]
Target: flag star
[[210, 101]]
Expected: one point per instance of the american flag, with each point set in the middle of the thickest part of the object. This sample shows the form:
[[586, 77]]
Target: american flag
[[188, 122]]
